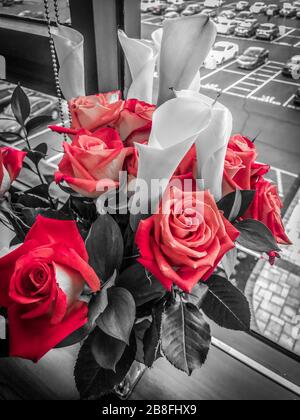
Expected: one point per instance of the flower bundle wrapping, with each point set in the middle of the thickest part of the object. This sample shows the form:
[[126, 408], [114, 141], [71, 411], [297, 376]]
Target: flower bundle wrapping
[[135, 284]]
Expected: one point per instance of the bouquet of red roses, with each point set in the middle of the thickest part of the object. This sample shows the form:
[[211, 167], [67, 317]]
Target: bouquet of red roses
[[136, 254]]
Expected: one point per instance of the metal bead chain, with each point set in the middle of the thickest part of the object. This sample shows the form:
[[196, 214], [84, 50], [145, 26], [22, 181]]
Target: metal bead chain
[[54, 62], [56, 11]]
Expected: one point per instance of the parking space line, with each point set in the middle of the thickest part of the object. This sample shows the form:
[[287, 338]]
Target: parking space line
[[288, 101], [234, 72], [256, 80], [283, 36], [249, 84], [235, 94], [241, 80], [243, 89], [286, 82], [218, 70], [264, 84]]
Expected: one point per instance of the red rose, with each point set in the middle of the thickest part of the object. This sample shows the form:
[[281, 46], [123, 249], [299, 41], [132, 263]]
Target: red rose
[[93, 112], [189, 163], [266, 208], [135, 121], [41, 285], [91, 164], [241, 170], [185, 242], [11, 162]]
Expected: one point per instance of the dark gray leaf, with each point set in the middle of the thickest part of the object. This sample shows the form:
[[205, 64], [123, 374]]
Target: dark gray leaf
[[20, 105], [143, 287], [118, 318], [105, 247], [92, 381], [107, 351], [226, 305], [256, 236], [235, 205], [186, 337]]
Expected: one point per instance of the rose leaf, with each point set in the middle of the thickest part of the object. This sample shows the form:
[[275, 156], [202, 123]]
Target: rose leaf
[[236, 204], [107, 350], [144, 288], [186, 337], [92, 380], [226, 305], [105, 246], [256, 236], [118, 318], [20, 105]]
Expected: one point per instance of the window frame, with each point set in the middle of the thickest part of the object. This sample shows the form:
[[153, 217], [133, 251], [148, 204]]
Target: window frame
[[103, 76]]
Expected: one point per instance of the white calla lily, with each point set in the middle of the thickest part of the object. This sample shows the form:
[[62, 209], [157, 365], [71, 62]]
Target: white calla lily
[[69, 48], [142, 61]]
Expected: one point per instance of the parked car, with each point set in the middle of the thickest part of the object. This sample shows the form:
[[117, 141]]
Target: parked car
[[296, 4], [213, 3], [288, 10], [171, 15], [292, 67], [242, 5], [297, 98], [210, 12], [8, 3], [258, 7], [253, 58], [226, 27], [176, 8], [192, 9], [245, 29], [223, 51], [41, 105], [6, 91], [147, 5], [228, 14], [254, 22], [268, 31], [298, 14], [244, 16], [160, 9], [273, 10]]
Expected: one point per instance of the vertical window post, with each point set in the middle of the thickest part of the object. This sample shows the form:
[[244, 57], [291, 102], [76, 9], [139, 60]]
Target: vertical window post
[[99, 21]]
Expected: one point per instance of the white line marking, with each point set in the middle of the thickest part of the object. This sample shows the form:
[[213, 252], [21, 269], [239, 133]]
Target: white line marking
[[264, 84], [256, 80], [234, 72], [288, 101], [262, 75], [283, 36], [218, 70], [249, 84], [241, 80], [235, 94], [55, 157], [286, 82], [243, 89]]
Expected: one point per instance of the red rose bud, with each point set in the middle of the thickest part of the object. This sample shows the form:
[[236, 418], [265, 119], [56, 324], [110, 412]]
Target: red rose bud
[[63, 130], [11, 163], [272, 257]]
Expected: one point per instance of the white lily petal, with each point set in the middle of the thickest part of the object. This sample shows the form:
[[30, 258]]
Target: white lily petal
[[185, 45], [141, 61], [69, 48], [176, 126]]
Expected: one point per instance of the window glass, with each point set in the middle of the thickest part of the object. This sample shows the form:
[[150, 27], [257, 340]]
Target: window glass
[[262, 91], [33, 9]]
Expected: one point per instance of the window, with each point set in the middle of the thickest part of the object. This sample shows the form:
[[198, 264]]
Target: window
[[34, 10], [265, 105]]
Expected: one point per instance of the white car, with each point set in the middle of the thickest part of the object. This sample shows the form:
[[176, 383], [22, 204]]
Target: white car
[[258, 7], [225, 27], [147, 5], [222, 52], [242, 5], [213, 3]]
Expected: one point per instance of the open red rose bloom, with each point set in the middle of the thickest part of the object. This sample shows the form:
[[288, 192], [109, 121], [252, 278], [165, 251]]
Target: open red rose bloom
[[186, 240], [41, 286]]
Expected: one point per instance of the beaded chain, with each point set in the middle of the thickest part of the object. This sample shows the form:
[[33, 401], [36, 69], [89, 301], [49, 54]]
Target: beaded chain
[[54, 57]]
